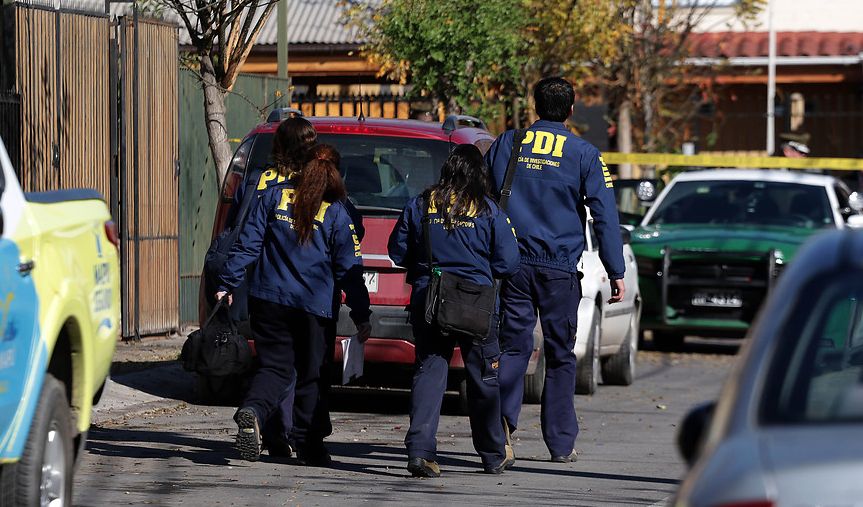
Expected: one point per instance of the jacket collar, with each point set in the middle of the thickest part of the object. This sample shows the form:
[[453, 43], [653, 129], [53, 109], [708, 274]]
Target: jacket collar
[[546, 124]]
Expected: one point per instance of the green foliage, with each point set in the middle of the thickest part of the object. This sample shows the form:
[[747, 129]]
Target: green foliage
[[461, 51], [630, 54]]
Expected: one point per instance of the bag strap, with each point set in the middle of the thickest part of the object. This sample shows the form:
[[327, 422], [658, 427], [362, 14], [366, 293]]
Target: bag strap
[[427, 228], [215, 310], [506, 189]]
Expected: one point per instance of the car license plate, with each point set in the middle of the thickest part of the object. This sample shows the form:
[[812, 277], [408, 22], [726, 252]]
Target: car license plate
[[717, 299], [371, 279]]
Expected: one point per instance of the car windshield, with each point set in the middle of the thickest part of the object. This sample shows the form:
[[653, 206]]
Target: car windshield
[[381, 173], [744, 202], [817, 372]]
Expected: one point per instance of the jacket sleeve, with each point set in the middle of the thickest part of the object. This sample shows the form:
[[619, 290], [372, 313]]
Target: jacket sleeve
[[356, 218], [497, 158], [599, 197], [504, 258], [246, 249], [402, 244], [348, 267]]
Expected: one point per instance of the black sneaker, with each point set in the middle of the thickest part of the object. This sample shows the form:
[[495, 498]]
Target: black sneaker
[[314, 455], [248, 435], [570, 458], [419, 467], [507, 462]]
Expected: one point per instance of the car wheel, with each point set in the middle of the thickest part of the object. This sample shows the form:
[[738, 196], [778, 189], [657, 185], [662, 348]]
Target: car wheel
[[619, 369], [534, 384], [587, 369], [667, 341], [43, 475]]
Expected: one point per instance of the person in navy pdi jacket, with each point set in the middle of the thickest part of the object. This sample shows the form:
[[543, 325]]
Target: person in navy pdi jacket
[[294, 143], [557, 174], [472, 237], [303, 243]]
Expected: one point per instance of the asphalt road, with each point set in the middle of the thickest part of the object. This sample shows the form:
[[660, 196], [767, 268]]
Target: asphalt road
[[151, 444]]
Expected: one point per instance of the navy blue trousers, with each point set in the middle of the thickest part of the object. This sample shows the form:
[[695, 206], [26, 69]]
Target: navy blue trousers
[[555, 294], [279, 428], [433, 354], [291, 347]]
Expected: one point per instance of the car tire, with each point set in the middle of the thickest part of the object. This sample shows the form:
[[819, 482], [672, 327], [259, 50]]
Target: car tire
[[667, 341], [619, 369], [534, 384], [587, 369], [43, 475]]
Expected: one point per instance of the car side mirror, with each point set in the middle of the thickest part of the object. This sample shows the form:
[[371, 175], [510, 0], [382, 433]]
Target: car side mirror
[[693, 430], [854, 221], [625, 235]]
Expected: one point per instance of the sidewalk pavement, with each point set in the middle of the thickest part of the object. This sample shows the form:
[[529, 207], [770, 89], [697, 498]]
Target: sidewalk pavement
[[145, 376]]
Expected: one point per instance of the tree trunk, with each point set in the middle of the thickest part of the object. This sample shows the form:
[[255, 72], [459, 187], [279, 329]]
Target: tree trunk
[[624, 138], [215, 118]]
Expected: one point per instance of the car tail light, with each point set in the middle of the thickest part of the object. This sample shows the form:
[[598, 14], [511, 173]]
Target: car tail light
[[352, 129], [112, 233], [232, 183]]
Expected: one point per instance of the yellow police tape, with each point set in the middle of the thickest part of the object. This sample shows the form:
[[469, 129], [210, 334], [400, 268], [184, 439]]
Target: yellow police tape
[[667, 159]]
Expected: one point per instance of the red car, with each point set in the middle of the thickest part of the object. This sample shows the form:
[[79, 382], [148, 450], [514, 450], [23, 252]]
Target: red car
[[384, 163]]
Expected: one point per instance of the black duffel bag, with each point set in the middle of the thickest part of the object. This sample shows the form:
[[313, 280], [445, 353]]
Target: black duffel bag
[[217, 349], [455, 304]]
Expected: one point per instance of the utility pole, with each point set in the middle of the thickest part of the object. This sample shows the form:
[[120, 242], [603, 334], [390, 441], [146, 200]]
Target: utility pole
[[771, 82], [282, 46]]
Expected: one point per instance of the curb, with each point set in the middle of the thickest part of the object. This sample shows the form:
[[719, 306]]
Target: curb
[[144, 391]]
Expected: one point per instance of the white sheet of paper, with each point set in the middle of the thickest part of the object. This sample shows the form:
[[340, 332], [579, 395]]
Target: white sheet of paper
[[352, 359]]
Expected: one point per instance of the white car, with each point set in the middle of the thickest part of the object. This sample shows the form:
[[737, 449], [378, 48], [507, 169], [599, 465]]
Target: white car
[[607, 335], [606, 342]]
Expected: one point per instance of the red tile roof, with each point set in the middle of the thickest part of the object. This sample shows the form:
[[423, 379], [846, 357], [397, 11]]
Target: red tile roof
[[755, 44]]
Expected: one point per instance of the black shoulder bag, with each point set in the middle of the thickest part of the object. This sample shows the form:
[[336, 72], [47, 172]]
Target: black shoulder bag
[[453, 303]]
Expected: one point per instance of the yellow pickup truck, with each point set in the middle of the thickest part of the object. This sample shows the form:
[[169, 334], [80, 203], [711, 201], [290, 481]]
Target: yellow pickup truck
[[59, 325]]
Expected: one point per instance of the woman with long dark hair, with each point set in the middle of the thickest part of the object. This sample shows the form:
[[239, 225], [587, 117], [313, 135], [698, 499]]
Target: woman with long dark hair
[[472, 238], [304, 243]]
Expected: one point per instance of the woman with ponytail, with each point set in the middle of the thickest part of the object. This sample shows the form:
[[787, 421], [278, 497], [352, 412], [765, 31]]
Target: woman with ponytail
[[471, 237], [305, 245]]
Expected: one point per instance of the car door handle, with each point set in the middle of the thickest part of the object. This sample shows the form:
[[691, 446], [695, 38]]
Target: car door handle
[[25, 267]]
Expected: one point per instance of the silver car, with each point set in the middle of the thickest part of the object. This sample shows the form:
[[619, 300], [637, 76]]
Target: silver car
[[787, 429]]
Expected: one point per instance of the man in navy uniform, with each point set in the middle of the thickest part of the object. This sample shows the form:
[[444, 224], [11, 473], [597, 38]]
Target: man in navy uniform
[[557, 175]]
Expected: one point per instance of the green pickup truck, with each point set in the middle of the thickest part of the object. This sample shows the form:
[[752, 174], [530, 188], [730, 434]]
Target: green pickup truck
[[711, 247], [59, 325]]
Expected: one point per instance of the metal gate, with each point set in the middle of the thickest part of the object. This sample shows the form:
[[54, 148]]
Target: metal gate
[[96, 106], [148, 175]]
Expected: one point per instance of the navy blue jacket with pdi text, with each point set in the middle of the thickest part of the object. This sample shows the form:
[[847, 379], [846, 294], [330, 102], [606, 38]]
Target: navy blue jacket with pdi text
[[557, 174], [295, 275], [479, 247], [263, 179]]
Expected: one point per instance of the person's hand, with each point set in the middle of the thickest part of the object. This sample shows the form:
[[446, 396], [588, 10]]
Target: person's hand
[[364, 330], [618, 289], [223, 293]]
